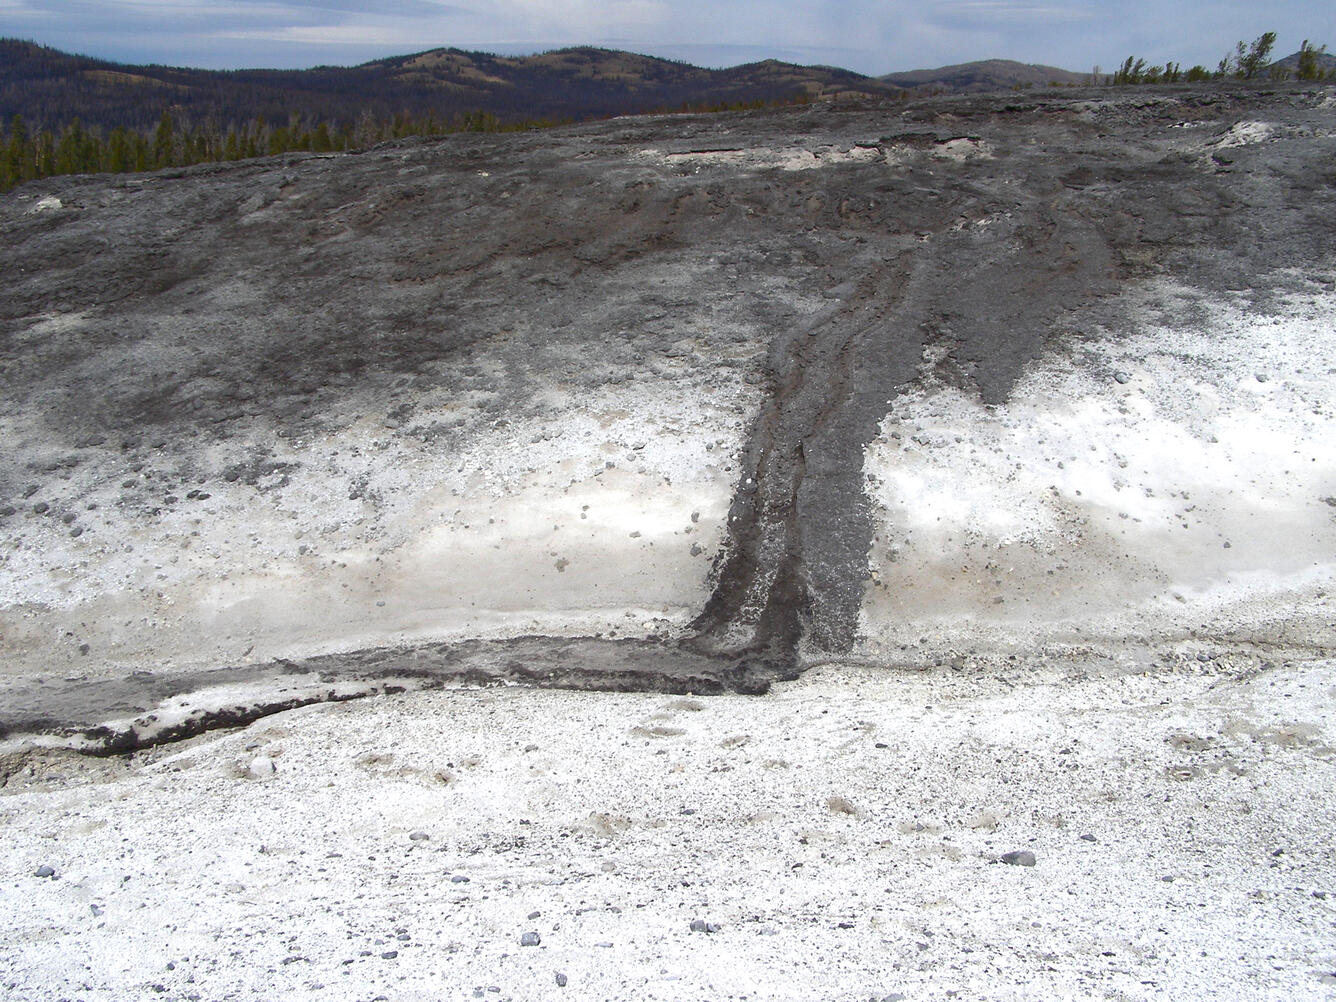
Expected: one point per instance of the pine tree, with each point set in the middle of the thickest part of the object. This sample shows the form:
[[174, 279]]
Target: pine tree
[[164, 142], [1309, 67], [18, 156], [120, 152], [1249, 61]]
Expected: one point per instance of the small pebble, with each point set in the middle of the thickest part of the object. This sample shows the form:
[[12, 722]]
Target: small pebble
[[561, 980], [530, 939], [459, 878], [1121, 377], [418, 837], [1022, 858], [700, 925], [44, 871]]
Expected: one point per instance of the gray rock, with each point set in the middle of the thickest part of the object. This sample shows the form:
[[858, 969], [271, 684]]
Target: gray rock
[[1121, 377], [561, 980], [1023, 858], [459, 878], [44, 871], [418, 837], [530, 939], [700, 925]]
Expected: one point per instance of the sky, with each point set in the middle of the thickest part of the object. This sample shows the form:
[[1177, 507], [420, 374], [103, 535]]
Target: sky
[[869, 36]]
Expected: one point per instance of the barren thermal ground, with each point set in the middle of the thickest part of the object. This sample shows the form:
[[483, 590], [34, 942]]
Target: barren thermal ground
[[909, 485]]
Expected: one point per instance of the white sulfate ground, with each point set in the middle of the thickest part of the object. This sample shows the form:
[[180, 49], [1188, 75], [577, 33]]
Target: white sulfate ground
[[842, 838], [1122, 577]]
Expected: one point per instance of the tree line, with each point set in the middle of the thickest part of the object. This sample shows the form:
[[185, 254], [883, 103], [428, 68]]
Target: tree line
[[26, 155], [1246, 62], [77, 149]]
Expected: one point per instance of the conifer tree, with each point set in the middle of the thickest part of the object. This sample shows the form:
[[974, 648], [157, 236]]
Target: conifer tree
[[164, 141]]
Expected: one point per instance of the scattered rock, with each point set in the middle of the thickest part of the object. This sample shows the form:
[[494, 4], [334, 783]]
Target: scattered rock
[[1121, 377], [459, 878], [534, 915], [530, 939], [840, 805], [1089, 838], [1023, 858], [700, 925], [45, 871], [561, 980], [389, 955], [261, 767], [418, 837]]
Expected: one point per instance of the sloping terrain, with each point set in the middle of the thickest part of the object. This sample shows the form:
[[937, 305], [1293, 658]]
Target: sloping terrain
[[983, 446], [739, 394], [49, 87], [984, 75]]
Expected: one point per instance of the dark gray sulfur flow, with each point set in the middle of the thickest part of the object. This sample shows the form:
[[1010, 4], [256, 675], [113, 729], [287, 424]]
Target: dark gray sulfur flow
[[980, 233]]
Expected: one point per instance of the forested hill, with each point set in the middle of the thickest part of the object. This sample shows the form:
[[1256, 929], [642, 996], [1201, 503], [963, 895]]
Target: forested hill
[[49, 88]]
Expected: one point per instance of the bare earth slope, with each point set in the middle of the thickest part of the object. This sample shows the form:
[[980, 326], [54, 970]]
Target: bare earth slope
[[1005, 425], [664, 381]]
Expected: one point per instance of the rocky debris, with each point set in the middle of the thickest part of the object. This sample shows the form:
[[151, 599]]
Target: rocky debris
[[562, 980], [418, 836], [1024, 857], [261, 767], [700, 925], [530, 939], [44, 871]]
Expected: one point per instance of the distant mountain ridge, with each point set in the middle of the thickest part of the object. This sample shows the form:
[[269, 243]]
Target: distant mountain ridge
[[984, 75], [49, 87]]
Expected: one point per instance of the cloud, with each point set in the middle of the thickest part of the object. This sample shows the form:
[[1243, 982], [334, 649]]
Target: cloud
[[871, 36], [1006, 12]]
